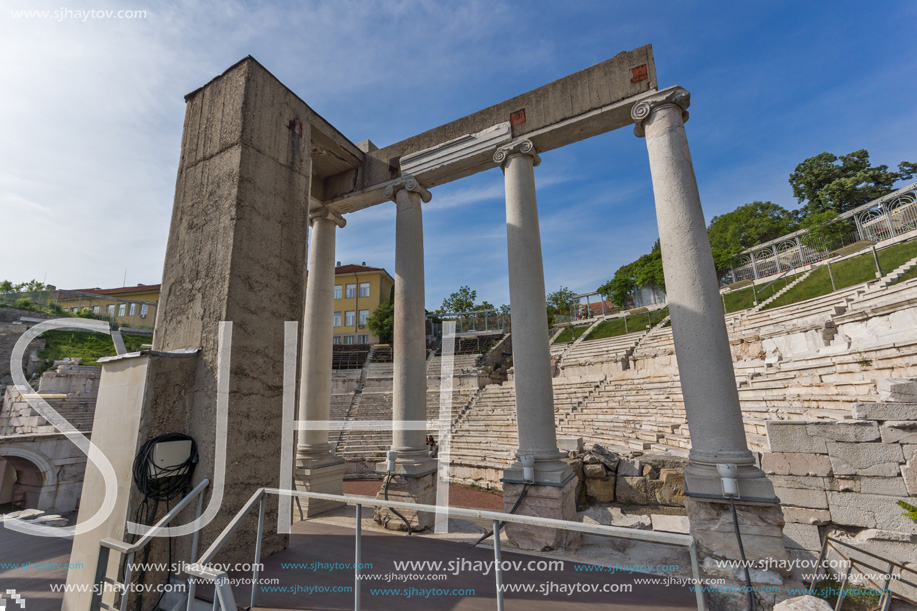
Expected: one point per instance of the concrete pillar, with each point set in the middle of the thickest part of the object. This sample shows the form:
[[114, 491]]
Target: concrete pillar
[[701, 341], [317, 468], [414, 477], [555, 484]]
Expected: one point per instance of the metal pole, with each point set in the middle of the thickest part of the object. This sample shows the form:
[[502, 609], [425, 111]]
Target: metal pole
[[723, 295], [255, 570], [821, 558], [755, 291], [843, 588], [128, 569], [831, 275], [695, 570], [195, 540], [357, 555], [625, 324], [875, 256], [498, 569]]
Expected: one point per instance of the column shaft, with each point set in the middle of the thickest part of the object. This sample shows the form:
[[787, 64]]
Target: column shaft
[[315, 374], [701, 340], [410, 348], [531, 354]]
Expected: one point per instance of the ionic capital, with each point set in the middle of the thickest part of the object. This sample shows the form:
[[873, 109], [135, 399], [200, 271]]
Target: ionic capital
[[326, 214], [673, 96], [519, 147], [408, 183]]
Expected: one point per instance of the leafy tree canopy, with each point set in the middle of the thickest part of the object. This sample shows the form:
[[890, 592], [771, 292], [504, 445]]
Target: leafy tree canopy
[[645, 271], [460, 301], [746, 226], [828, 182], [382, 321], [560, 300]]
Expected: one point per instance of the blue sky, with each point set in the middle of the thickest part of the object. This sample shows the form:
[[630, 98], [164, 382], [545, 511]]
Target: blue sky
[[91, 116]]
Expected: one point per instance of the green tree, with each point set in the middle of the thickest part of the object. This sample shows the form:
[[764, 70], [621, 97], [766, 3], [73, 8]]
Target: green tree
[[6, 286], [382, 321], [746, 226], [645, 271], [560, 300], [828, 182], [460, 301]]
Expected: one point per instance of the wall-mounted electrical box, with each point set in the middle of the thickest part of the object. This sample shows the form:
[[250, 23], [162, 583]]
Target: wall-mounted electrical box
[[168, 455]]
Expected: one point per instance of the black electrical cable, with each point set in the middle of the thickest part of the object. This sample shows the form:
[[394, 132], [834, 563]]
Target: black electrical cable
[[157, 484], [525, 490], [735, 521], [388, 480]]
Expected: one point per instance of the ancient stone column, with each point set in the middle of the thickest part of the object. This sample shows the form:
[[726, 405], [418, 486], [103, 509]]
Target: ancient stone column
[[317, 468], [414, 475], [701, 342], [555, 484]]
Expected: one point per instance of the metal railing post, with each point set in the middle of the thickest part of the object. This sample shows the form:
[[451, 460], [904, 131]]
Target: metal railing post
[[195, 541], [357, 558], [821, 558], [723, 295], [875, 256], [754, 290], [255, 570], [843, 589], [695, 571], [128, 570], [831, 275], [625, 324], [498, 569], [101, 571]]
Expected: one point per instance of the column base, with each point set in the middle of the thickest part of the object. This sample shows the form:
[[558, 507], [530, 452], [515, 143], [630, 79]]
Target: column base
[[760, 524], [544, 501], [408, 488], [319, 473], [702, 481]]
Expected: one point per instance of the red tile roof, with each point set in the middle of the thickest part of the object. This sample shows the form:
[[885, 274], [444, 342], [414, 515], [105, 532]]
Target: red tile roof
[[351, 268], [140, 288]]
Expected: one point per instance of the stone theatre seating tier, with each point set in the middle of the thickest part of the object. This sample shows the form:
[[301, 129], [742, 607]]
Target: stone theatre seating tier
[[349, 356]]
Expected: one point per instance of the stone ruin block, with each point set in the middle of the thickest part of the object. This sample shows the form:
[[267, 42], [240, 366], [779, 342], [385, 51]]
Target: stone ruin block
[[885, 411], [876, 459], [795, 463], [789, 436]]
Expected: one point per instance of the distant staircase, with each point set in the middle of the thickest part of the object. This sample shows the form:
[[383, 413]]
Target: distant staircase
[[889, 279], [781, 292]]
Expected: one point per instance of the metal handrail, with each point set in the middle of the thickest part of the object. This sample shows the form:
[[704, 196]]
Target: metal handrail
[[887, 595], [130, 549], [223, 592]]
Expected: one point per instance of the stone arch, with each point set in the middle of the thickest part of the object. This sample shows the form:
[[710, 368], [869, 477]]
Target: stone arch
[[40, 472]]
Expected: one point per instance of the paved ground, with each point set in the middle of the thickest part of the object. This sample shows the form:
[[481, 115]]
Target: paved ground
[[33, 581], [315, 542]]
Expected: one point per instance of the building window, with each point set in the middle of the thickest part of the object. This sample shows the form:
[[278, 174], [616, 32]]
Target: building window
[[349, 317], [364, 314], [363, 339], [351, 291], [337, 319], [111, 310], [122, 308], [133, 309], [95, 309], [144, 308], [348, 339], [364, 289], [336, 339], [337, 291]]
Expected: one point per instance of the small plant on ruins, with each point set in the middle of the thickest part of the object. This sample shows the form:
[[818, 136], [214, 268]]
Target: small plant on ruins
[[909, 510], [865, 363]]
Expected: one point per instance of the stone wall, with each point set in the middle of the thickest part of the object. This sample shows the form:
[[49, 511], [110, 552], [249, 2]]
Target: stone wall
[[845, 478]]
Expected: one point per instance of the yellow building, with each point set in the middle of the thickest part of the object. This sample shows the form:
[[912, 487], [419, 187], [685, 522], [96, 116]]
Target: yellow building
[[132, 306], [358, 291]]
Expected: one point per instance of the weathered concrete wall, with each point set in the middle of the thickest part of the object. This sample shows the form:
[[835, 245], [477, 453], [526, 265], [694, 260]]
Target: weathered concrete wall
[[236, 252]]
